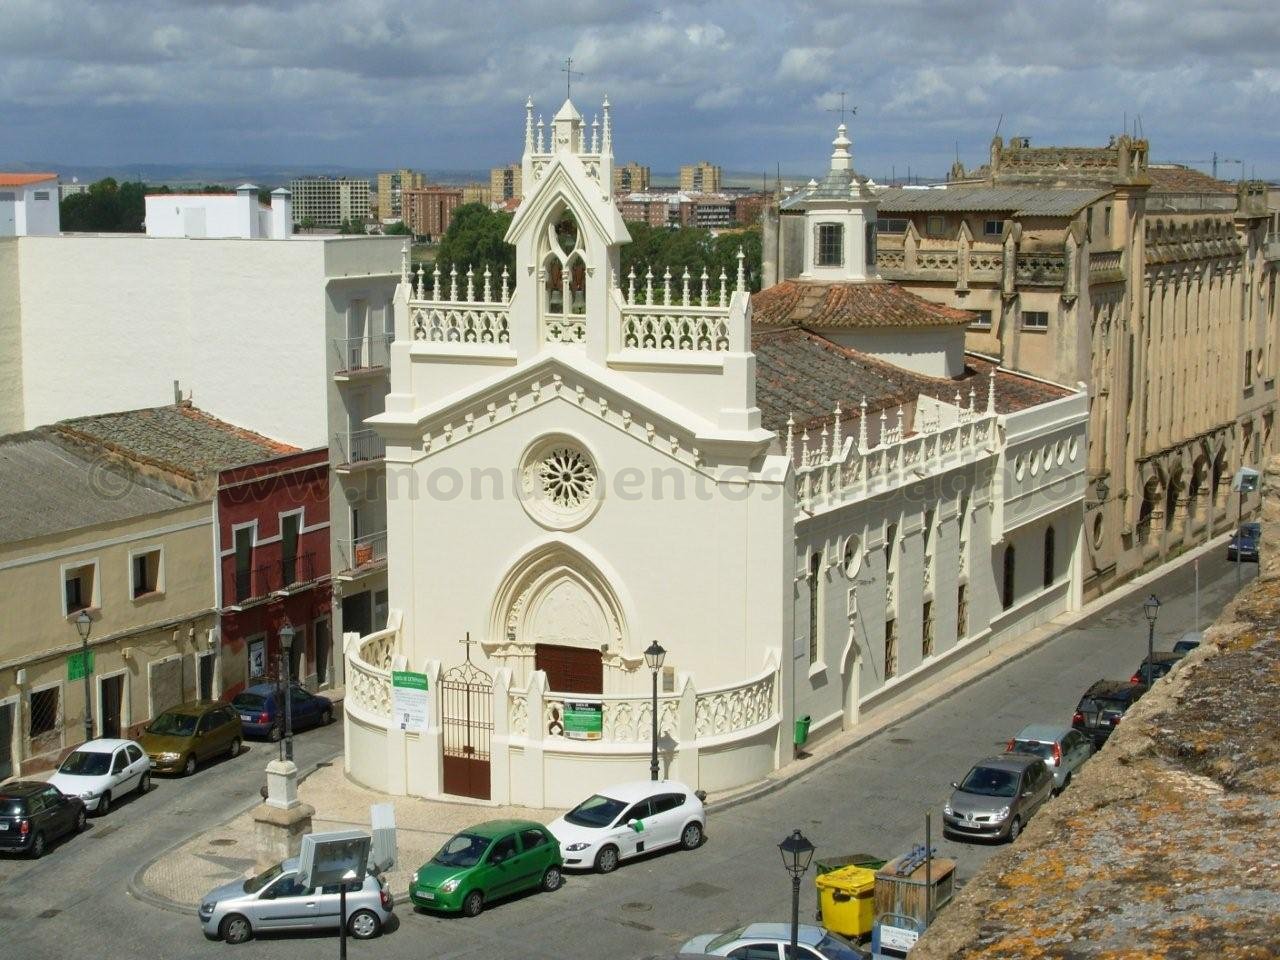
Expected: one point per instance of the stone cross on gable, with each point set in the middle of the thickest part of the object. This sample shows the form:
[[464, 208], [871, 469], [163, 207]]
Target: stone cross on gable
[[842, 110]]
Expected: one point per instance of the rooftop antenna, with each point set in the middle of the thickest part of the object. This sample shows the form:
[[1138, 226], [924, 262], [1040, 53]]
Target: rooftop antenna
[[999, 124], [569, 74], [842, 110]]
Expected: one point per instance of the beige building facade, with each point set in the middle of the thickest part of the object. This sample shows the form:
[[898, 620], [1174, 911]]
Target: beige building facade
[[136, 557], [391, 185], [631, 178], [700, 177], [328, 201], [506, 183], [1153, 285]]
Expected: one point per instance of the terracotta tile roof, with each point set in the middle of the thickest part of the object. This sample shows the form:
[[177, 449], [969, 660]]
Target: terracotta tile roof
[[22, 179], [870, 303], [179, 438], [1172, 178], [801, 373]]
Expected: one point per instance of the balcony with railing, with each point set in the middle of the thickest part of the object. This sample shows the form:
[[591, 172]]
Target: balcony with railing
[[252, 584], [356, 357], [354, 449], [363, 554]]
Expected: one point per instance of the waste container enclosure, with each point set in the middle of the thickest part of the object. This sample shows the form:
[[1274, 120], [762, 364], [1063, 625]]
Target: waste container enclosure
[[802, 729], [848, 899], [868, 860]]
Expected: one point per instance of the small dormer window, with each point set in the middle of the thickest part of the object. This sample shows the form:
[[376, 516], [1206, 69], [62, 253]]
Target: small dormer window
[[829, 245]]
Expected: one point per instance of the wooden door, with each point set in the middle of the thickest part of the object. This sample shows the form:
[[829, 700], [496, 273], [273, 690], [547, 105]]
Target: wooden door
[[570, 669], [111, 691]]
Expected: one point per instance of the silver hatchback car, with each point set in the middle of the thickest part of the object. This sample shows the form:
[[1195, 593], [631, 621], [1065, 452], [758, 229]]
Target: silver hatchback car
[[1062, 749], [275, 900]]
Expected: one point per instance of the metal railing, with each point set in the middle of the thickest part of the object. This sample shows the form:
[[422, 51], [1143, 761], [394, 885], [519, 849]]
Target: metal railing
[[363, 353], [297, 569], [358, 446], [253, 582], [363, 551]]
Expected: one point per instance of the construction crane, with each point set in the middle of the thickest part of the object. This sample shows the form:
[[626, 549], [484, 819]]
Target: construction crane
[[1217, 159]]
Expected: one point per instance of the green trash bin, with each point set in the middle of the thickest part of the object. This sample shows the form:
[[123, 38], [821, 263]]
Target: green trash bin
[[802, 729]]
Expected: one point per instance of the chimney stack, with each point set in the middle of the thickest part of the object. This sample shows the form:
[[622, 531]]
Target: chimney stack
[[281, 214]]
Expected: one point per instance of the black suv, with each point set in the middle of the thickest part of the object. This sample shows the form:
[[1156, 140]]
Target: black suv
[[1153, 668], [1102, 706], [33, 814]]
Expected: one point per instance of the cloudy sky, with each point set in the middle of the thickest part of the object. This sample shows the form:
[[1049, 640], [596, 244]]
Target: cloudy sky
[[440, 85]]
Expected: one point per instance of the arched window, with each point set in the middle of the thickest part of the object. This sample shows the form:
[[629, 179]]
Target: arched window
[[1007, 595], [815, 579], [1048, 557], [564, 272]]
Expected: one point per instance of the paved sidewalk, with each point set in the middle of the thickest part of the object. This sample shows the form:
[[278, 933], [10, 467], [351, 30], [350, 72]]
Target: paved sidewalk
[[178, 878]]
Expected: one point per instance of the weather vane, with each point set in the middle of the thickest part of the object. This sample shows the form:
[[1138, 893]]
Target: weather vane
[[569, 74], [852, 111]]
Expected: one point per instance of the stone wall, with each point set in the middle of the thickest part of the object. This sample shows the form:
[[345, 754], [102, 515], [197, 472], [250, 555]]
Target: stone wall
[[1168, 843]]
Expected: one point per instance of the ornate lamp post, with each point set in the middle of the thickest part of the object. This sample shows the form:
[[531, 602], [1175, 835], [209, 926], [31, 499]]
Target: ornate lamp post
[[797, 851], [654, 656], [286, 646], [1151, 609], [84, 624]]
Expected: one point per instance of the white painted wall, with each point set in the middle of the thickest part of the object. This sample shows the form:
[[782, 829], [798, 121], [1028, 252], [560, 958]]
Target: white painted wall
[[207, 215], [10, 339], [109, 322], [933, 351], [32, 210]]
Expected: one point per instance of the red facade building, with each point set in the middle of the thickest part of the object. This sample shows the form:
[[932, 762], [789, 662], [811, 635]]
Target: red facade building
[[273, 564]]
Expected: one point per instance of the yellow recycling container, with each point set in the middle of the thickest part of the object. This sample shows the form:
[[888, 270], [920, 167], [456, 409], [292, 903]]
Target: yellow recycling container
[[847, 899]]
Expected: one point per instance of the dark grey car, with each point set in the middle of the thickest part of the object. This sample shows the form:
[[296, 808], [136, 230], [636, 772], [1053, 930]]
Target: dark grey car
[[997, 797]]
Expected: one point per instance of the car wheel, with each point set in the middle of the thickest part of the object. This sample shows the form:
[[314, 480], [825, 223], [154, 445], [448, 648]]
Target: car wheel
[[189, 767], [37, 846], [364, 925], [82, 820], [235, 929], [326, 718], [1015, 828], [274, 735], [144, 785], [691, 836], [104, 804], [552, 879], [472, 904], [234, 751], [607, 859]]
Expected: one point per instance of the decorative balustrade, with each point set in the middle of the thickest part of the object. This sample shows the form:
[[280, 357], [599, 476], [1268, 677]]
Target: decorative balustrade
[[693, 316], [731, 709], [1105, 266], [1042, 269], [937, 261], [369, 674], [623, 719], [465, 310]]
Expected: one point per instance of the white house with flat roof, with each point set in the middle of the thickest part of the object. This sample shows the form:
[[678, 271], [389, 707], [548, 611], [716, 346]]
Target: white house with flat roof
[[29, 204]]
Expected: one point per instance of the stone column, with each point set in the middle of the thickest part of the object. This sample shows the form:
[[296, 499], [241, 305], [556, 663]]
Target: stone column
[[280, 822]]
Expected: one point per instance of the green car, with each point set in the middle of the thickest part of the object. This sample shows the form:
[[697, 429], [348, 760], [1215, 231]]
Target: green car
[[487, 862]]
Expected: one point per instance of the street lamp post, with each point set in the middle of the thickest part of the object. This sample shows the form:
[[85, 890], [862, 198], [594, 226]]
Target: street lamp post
[[1151, 609], [84, 624], [797, 851], [286, 646], [654, 656]]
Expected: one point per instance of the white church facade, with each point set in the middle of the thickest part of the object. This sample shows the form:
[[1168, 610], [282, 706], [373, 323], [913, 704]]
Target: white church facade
[[581, 463]]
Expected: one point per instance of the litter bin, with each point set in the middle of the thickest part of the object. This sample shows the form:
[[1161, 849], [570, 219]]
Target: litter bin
[[802, 729], [847, 898]]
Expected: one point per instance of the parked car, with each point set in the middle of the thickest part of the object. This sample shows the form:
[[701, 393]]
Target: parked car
[[772, 941], [1190, 640], [102, 771], [997, 797], [185, 736], [1102, 707], [487, 862], [33, 814], [1243, 546], [276, 900], [1062, 749], [627, 820], [1154, 667], [261, 710]]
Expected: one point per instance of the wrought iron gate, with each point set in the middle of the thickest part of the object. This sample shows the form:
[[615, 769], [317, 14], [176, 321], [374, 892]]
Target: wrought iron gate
[[467, 720]]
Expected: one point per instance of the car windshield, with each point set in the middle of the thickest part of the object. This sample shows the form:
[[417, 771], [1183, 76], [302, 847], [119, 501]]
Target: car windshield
[[254, 884], [990, 782], [1034, 747], [249, 701], [834, 949], [174, 725], [463, 850], [1185, 646], [596, 811], [86, 763], [726, 938]]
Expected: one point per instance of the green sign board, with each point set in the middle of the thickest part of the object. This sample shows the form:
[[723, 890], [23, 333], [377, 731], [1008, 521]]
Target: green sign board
[[79, 664], [583, 720], [410, 707]]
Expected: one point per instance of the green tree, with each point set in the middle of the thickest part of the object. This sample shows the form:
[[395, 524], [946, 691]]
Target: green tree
[[475, 239], [692, 248], [398, 229], [107, 207]]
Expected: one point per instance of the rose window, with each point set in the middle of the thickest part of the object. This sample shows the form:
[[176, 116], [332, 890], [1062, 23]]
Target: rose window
[[567, 477]]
